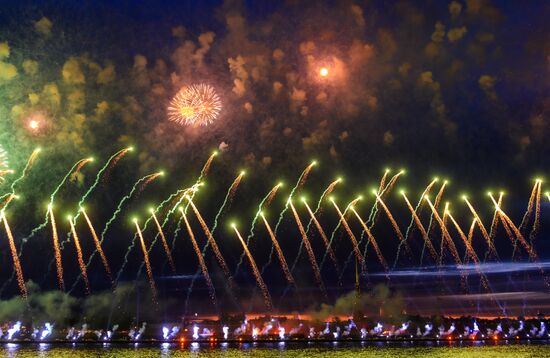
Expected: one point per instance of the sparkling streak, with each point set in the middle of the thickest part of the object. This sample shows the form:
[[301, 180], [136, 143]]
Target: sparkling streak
[[309, 250], [445, 232], [227, 200], [259, 280], [57, 250], [147, 263], [79, 257], [282, 259], [200, 257], [416, 219], [418, 207], [15, 257], [351, 236], [536, 222], [492, 248], [321, 232], [164, 242], [215, 248], [372, 240], [98, 248], [23, 175]]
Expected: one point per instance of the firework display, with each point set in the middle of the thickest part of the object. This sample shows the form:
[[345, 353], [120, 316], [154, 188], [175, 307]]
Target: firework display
[[197, 105]]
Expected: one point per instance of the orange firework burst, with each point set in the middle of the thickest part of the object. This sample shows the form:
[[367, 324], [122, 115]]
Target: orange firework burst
[[197, 105]]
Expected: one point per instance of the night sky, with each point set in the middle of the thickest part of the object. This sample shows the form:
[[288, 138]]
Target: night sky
[[457, 89]]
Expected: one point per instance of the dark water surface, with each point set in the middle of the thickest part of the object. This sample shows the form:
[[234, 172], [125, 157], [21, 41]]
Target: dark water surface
[[380, 350]]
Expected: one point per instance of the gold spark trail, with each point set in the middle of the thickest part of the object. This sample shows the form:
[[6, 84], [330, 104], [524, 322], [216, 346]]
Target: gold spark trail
[[372, 240], [418, 207], [164, 242], [56, 250], [147, 263], [98, 246], [492, 249], [416, 219], [80, 258], [309, 250], [536, 222], [445, 232], [351, 236], [282, 259], [200, 257], [15, 257], [215, 248], [261, 284], [324, 237]]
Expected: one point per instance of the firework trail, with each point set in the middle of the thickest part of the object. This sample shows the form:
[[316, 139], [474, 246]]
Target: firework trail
[[395, 228], [200, 257], [227, 200], [382, 194], [282, 260], [261, 284], [215, 248], [327, 192], [147, 263], [75, 169], [494, 224], [15, 257], [416, 219], [536, 222], [418, 207], [430, 224], [98, 248], [7, 201], [445, 232], [518, 236], [309, 250], [204, 172], [57, 250], [164, 242], [381, 187], [527, 216], [79, 257], [470, 238], [329, 250], [263, 204], [371, 239], [351, 236], [23, 175], [334, 234], [140, 183], [491, 247], [299, 183], [115, 157]]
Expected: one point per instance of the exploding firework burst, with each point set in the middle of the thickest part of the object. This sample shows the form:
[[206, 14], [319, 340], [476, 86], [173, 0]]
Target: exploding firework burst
[[197, 105]]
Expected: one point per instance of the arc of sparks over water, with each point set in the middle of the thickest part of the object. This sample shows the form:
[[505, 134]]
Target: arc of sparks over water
[[371, 239], [301, 181], [323, 235], [56, 250], [317, 211], [97, 244], [383, 193], [438, 198], [264, 203], [259, 280], [527, 216], [332, 238], [309, 250], [15, 257], [164, 242], [351, 236], [282, 260], [227, 200], [147, 263], [79, 257], [491, 247], [200, 257], [215, 248], [494, 223], [416, 220]]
